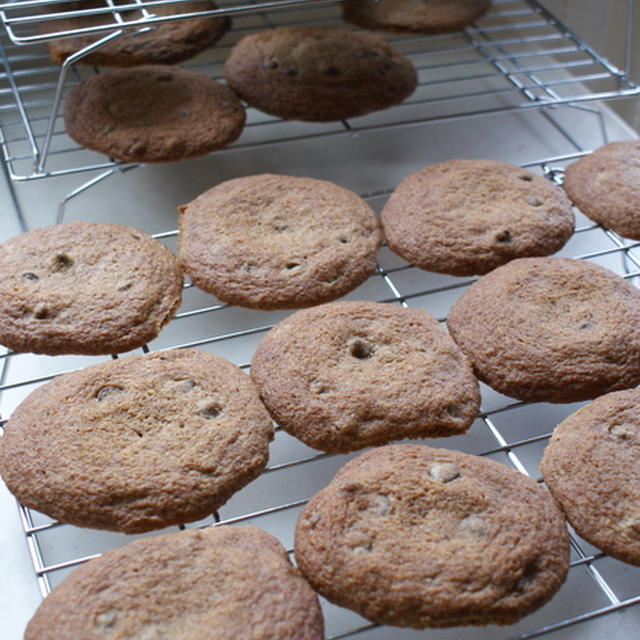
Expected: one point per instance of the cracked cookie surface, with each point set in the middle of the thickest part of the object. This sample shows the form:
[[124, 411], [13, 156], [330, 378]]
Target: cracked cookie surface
[[137, 443], [550, 329], [605, 185], [347, 375], [218, 582], [414, 536], [167, 42], [466, 217], [318, 74], [85, 288], [278, 242], [601, 494], [414, 16], [153, 113]]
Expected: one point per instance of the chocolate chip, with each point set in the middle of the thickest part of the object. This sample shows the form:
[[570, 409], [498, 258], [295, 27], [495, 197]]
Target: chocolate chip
[[61, 262], [360, 349], [525, 177], [504, 237], [211, 410], [107, 391], [29, 275]]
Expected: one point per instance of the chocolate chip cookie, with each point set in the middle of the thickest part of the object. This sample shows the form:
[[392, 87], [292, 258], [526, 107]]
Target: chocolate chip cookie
[[601, 494], [550, 330], [419, 537], [466, 217], [318, 74], [421, 16], [167, 42], [137, 443], [347, 375], [85, 288], [219, 582], [278, 242], [153, 113], [605, 186]]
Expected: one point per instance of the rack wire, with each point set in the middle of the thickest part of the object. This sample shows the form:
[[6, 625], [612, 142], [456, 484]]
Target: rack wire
[[519, 57]]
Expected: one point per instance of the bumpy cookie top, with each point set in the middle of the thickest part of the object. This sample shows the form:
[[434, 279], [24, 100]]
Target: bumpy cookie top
[[166, 43], [414, 536], [274, 242], [137, 443], [550, 329], [605, 185], [222, 582], [318, 74], [467, 217], [601, 494], [420, 16], [346, 375], [153, 113], [85, 288]]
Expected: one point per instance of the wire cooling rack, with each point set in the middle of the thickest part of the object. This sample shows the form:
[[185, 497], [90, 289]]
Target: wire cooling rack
[[517, 58]]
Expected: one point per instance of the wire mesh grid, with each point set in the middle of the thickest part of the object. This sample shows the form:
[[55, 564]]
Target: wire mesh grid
[[518, 56], [511, 432]]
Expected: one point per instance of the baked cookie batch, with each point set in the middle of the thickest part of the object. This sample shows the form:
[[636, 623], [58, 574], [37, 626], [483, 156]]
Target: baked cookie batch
[[404, 534]]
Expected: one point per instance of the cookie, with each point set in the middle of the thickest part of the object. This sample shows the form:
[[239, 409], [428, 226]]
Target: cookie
[[601, 494], [424, 16], [418, 537], [605, 186], [466, 217], [137, 443], [318, 74], [153, 113], [348, 375], [219, 582], [85, 288], [550, 330], [165, 43], [278, 242]]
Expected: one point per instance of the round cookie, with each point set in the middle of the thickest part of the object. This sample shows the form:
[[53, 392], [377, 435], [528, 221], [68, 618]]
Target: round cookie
[[219, 582], [278, 242], [153, 113], [421, 16], [138, 443], [419, 537], [348, 375], [550, 330], [166, 43], [85, 288], [601, 495], [466, 217], [318, 73], [605, 186]]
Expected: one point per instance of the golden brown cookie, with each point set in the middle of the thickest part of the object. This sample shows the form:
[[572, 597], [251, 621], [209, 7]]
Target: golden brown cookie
[[592, 467], [165, 43], [550, 330], [347, 375], [605, 186], [153, 113], [419, 537], [278, 242], [318, 73], [85, 288], [414, 16], [466, 217], [137, 443], [219, 582]]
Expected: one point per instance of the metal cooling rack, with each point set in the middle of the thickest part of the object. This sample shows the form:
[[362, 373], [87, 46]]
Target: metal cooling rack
[[518, 57]]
